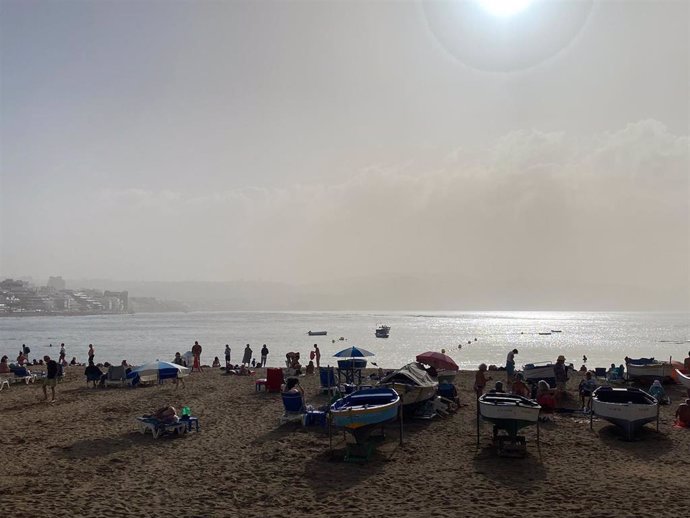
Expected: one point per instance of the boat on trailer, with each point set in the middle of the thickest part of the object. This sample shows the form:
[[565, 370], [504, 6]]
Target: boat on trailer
[[508, 412], [627, 408], [648, 369], [365, 407], [412, 383]]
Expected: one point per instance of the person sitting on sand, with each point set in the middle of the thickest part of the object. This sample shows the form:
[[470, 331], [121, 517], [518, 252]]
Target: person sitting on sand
[[683, 414], [216, 363], [293, 387], [657, 391], [21, 359], [520, 388], [583, 368], [498, 388], [178, 360], [166, 414], [545, 397], [310, 367], [480, 380], [73, 361], [4, 366], [93, 374], [586, 388]]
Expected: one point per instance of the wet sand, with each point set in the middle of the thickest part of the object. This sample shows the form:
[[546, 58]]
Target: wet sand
[[84, 456]]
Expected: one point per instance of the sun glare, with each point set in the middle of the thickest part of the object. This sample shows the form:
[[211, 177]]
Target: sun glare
[[504, 7]]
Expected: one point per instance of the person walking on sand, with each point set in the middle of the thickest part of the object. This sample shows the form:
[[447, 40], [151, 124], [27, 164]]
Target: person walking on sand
[[196, 352], [51, 378], [264, 355], [247, 358], [510, 365], [92, 352], [227, 357]]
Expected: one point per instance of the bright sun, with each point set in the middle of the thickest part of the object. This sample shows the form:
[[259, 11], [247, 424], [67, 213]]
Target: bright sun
[[504, 7]]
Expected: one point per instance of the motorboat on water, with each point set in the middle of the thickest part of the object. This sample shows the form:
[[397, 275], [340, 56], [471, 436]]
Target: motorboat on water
[[627, 408], [383, 331], [317, 333], [648, 369], [413, 383], [508, 412]]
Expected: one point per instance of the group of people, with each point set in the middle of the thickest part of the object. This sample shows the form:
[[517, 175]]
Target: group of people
[[292, 361]]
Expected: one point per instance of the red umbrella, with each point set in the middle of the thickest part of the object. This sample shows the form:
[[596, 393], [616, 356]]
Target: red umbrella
[[438, 361]]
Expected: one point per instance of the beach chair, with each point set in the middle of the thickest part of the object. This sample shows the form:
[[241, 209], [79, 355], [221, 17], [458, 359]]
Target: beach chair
[[294, 408], [117, 375], [327, 377], [22, 374], [158, 427], [274, 379], [4, 382]]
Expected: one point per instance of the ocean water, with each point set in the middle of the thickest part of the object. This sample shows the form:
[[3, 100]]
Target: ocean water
[[604, 337]]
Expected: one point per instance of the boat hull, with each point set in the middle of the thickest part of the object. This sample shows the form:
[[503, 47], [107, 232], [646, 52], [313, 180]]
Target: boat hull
[[412, 395], [317, 333], [683, 379], [540, 372], [649, 372], [628, 409], [508, 412], [365, 408]]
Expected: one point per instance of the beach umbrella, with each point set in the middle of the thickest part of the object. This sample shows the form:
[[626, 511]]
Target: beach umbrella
[[438, 361], [160, 370], [353, 352]]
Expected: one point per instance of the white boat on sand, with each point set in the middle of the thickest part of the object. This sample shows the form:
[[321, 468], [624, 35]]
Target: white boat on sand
[[628, 408], [648, 369], [683, 379]]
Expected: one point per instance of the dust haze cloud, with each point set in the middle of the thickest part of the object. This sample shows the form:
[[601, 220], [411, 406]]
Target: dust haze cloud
[[526, 189]]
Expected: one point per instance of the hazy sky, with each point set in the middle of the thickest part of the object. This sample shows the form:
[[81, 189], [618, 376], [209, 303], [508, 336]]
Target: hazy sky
[[311, 141]]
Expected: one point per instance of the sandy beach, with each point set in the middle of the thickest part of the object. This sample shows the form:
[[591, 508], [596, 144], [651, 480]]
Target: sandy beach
[[84, 456]]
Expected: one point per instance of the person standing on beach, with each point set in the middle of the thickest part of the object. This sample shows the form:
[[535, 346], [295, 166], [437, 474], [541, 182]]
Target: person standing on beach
[[510, 365], [561, 374], [51, 378], [317, 356], [63, 353], [686, 363], [26, 351], [264, 355], [92, 352], [196, 352], [247, 358], [227, 357]]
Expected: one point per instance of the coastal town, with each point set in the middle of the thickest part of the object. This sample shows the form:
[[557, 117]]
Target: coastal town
[[23, 298]]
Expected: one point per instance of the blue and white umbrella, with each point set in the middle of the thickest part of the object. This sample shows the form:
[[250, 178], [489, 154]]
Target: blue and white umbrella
[[353, 352], [159, 370]]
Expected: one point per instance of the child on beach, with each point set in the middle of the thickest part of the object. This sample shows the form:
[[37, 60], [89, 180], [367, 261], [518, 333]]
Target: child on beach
[[480, 380]]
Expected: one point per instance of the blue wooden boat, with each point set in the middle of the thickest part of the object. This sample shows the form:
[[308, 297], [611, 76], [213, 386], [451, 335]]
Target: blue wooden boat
[[365, 408]]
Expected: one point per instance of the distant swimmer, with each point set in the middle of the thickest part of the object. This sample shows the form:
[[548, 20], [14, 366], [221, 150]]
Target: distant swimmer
[[459, 346], [584, 359]]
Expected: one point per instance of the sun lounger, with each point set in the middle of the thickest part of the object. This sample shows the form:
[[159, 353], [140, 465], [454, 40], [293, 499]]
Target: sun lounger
[[158, 427], [117, 375]]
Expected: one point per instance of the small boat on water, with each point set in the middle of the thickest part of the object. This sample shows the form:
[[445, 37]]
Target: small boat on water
[[412, 383], [383, 331], [683, 379], [648, 369], [317, 333], [628, 408], [508, 412], [556, 331], [545, 333], [364, 408]]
